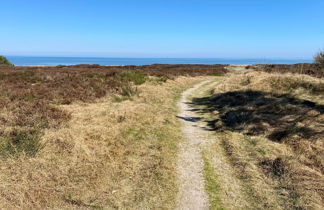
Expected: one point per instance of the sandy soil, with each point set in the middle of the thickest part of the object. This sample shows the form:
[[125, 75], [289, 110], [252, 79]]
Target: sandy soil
[[192, 194]]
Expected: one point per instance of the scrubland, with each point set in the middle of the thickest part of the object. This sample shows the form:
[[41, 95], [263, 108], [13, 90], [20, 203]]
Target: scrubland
[[311, 69], [89, 136], [269, 149], [80, 137]]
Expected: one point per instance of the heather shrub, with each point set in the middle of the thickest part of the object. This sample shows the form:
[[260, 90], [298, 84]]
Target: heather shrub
[[29, 96]]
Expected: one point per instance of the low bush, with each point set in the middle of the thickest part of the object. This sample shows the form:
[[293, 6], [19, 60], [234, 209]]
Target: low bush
[[312, 69], [319, 58]]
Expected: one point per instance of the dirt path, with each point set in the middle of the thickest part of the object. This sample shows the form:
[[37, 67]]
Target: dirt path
[[192, 194]]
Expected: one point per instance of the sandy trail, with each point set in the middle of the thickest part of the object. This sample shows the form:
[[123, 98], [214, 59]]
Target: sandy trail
[[192, 194]]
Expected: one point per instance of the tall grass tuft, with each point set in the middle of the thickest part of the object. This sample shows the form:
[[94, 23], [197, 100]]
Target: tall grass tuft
[[129, 80]]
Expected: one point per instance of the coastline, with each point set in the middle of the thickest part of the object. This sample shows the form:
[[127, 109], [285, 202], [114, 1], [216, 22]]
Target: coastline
[[68, 61]]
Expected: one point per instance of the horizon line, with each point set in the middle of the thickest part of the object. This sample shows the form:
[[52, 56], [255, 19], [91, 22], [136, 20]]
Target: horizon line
[[93, 56]]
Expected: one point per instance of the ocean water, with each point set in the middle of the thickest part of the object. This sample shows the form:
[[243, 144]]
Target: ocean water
[[48, 61]]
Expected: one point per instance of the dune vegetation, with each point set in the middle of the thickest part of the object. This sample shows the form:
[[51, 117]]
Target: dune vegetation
[[84, 136], [90, 136], [269, 152], [313, 69]]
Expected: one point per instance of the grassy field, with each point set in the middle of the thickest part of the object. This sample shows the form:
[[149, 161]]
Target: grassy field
[[269, 152], [91, 137], [88, 136], [29, 95]]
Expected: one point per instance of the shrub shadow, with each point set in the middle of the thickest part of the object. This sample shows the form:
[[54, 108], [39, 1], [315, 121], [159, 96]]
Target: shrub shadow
[[262, 113]]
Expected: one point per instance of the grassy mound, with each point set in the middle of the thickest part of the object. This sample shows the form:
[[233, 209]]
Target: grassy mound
[[270, 127]]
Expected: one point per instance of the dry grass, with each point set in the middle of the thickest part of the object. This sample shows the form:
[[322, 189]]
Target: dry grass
[[28, 103], [66, 143], [108, 155], [29, 95], [270, 128]]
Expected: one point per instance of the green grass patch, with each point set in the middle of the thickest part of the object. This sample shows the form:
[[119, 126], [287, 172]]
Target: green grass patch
[[132, 133], [20, 142], [158, 79], [218, 73], [212, 186], [133, 77], [129, 80]]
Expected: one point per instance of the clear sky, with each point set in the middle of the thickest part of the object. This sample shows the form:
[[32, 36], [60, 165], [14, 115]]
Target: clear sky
[[162, 28]]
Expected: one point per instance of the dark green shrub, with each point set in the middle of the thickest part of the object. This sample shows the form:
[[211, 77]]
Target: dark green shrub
[[5, 61]]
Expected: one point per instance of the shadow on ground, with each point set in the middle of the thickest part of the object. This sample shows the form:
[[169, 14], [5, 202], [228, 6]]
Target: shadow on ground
[[190, 119], [261, 113]]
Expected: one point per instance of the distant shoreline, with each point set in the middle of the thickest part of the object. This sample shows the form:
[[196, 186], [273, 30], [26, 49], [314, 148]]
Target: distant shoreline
[[55, 61], [184, 64]]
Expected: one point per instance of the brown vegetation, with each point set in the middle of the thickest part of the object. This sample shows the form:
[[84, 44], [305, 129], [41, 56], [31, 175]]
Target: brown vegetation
[[29, 95], [316, 70], [166, 70]]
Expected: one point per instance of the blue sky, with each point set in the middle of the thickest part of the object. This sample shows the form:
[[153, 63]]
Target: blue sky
[[162, 28]]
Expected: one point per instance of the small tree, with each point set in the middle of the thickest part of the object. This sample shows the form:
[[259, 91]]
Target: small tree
[[5, 61], [319, 58]]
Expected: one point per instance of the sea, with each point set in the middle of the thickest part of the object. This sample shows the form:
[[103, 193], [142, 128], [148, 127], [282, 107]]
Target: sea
[[52, 61]]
